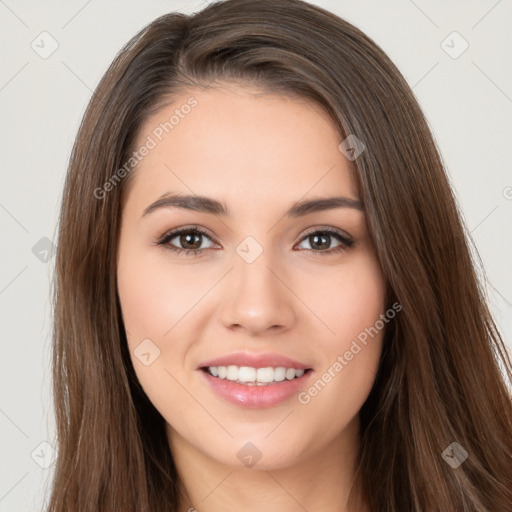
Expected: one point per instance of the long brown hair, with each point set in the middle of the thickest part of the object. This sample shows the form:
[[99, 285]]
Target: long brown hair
[[444, 369]]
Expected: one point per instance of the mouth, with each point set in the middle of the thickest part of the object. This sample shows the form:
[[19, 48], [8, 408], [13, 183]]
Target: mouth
[[256, 388], [251, 376]]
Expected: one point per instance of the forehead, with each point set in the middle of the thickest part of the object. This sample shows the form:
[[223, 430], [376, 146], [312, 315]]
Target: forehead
[[239, 144]]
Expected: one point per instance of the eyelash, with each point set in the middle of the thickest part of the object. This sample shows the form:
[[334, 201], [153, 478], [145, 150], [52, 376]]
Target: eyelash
[[346, 242]]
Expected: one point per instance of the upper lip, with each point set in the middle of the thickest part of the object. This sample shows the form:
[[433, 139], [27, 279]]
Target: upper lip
[[265, 360]]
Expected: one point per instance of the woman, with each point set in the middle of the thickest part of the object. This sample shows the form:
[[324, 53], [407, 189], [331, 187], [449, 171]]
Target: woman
[[264, 295]]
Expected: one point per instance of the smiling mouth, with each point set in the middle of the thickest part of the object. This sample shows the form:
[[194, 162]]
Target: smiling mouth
[[250, 376]]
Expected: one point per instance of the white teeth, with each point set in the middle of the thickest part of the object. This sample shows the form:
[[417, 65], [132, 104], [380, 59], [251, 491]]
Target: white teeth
[[232, 373], [246, 374], [254, 376], [265, 375], [280, 374]]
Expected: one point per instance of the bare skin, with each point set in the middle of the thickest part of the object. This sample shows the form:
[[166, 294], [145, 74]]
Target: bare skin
[[258, 154]]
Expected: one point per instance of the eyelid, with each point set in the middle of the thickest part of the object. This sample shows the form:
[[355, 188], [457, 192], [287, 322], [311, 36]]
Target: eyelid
[[344, 238], [309, 231], [325, 229], [185, 229]]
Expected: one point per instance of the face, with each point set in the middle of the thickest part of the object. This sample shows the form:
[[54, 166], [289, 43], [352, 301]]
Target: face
[[263, 284]]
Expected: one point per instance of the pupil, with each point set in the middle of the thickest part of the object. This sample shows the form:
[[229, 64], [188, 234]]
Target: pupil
[[186, 240], [325, 238]]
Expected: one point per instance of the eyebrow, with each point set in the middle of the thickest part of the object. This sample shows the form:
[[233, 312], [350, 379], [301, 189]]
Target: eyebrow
[[208, 205]]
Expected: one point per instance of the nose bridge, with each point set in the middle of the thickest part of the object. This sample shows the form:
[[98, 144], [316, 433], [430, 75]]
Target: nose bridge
[[253, 266], [256, 297]]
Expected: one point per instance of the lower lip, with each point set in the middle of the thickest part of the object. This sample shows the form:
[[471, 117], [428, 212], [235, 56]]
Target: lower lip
[[256, 397]]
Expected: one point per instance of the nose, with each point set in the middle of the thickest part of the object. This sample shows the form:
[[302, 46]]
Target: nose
[[257, 297]]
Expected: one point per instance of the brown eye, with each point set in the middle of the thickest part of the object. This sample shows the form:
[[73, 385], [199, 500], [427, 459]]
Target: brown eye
[[190, 241], [187, 239], [320, 241]]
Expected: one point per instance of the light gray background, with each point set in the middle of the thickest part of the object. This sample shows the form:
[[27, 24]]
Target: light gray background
[[467, 101]]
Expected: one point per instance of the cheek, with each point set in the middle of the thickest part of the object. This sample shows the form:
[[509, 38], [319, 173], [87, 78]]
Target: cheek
[[140, 297], [144, 290], [154, 296], [351, 299], [152, 303], [160, 302], [354, 300]]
